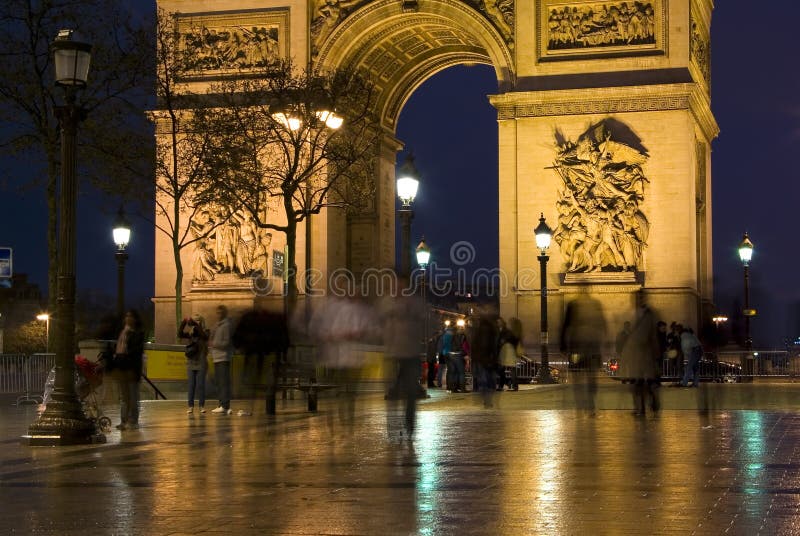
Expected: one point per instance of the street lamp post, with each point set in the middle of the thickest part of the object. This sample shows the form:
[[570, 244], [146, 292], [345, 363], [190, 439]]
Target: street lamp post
[[44, 317], [423, 254], [543, 235], [745, 254], [122, 236], [63, 421], [407, 185]]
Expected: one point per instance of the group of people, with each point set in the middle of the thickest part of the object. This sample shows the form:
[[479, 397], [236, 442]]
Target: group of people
[[490, 350]]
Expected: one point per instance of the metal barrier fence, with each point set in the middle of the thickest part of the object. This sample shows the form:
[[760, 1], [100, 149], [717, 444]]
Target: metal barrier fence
[[25, 375]]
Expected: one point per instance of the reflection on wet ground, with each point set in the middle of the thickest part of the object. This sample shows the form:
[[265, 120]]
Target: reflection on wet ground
[[468, 470]]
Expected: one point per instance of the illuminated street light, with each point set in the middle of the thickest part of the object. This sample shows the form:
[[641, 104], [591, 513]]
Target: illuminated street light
[[543, 235]]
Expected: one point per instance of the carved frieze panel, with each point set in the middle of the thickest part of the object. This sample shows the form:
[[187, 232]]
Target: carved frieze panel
[[601, 225], [588, 28], [232, 42], [228, 243]]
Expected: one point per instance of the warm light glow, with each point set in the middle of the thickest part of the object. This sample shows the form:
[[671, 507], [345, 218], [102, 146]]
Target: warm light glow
[[461, 322], [543, 235], [745, 250], [447, 323], [407, 189], [334, 121], [121, 230], [719, 319], [44, 317], [323, 115], [291, 122]]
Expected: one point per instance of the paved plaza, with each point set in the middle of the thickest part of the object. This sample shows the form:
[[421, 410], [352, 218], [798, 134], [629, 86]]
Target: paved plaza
[[531, 464]]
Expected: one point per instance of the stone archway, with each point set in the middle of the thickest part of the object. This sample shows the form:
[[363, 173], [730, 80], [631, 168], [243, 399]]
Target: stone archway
[[562, 67]]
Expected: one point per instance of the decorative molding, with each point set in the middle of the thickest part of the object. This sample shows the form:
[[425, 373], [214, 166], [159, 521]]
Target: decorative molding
[[602, 278], [700, 48], [594, 106], [233, 42], [588, 29]]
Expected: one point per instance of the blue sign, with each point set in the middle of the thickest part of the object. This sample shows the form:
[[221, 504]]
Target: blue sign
[[5, 263]]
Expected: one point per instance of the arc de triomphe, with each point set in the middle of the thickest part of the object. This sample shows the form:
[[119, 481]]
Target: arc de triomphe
[[604, 122]]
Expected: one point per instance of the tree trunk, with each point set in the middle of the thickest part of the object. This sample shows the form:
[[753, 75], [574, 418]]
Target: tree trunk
[[178, 289], [291, 265]]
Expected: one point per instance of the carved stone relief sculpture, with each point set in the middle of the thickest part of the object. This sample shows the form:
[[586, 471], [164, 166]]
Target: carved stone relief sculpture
[[501, 14], [234, 41], [601, 24], [235, 246], [601, 226], [699, 50]]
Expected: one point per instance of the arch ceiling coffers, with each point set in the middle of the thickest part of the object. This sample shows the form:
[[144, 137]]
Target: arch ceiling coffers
[[400, 50]]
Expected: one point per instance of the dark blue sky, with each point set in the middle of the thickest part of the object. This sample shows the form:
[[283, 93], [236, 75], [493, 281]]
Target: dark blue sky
[[756, 187]]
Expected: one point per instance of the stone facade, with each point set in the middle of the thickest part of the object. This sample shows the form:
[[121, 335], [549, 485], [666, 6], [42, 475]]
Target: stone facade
[[562, 67]]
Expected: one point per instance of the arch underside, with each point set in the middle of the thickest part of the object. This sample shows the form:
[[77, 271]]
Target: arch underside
[[400, 50]]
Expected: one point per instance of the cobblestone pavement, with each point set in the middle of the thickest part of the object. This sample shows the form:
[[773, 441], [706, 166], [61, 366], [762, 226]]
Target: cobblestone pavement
[[469, 470]]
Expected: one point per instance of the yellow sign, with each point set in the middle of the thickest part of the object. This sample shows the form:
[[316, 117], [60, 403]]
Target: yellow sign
[[166, 365]]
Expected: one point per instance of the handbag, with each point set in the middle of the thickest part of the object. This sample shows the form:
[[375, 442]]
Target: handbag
[[192, 350], [508, 355]]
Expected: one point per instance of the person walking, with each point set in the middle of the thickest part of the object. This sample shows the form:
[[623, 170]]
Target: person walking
[[128, 363], [507, 342], [639, 358], [483, 348], [693, 351], [583, 336], [193, 331], [221, 353]]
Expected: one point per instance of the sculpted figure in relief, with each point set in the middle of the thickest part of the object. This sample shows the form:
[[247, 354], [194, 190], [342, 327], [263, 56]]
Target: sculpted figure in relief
[[233, 47], [600, 25], [600, 224], [236, 246]]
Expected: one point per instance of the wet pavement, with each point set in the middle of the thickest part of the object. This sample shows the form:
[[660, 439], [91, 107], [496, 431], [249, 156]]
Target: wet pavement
[[507, 470]]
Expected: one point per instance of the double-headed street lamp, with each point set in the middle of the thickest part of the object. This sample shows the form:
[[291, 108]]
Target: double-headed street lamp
[[122, 236], [407, 186], [63, 421], [543, 235], [745, 254]]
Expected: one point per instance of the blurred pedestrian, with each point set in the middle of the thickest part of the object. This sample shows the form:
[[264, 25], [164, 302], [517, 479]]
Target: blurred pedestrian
[[442, 348], [193, 331], [640, 358], [507, 343], [263, 337], [693, 351], [674, 351], [484, 357], [402, 321], [128, 363], [430, 358], [583, 334], [221, 349], [622, 336]]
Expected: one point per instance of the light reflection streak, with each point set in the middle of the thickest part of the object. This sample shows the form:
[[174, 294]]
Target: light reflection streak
[[428, 447]]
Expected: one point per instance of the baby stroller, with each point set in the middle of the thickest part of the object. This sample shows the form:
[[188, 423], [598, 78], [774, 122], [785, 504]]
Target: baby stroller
[[88, 386]]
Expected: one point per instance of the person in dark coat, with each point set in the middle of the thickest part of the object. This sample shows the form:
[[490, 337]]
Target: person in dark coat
[[641, 360], [583, 335], [484, 357], [128, 363], [261, 336]]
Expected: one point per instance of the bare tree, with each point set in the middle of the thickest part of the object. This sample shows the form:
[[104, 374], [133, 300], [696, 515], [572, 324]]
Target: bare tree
[[183, 158], [298, 139], [110, 141]]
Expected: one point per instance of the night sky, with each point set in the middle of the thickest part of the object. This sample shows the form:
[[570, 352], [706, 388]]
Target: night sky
[[452, 129]]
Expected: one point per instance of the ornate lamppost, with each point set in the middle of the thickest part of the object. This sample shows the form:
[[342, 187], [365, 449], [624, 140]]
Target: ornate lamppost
[[122, 236], [423, 254], [63, 421], [745, 254], [407, 186], [543, 235]]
